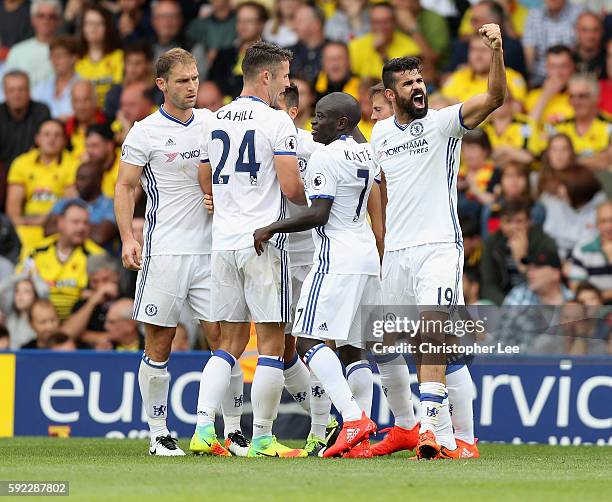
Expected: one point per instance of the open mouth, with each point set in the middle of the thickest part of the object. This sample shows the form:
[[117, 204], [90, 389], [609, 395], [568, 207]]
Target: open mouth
[[418, 100]]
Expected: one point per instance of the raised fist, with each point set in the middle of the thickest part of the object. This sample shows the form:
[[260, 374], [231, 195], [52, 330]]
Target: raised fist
[[491, 34]]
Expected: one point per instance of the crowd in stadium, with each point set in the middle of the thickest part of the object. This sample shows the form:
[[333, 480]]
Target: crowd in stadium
[[534, 180]]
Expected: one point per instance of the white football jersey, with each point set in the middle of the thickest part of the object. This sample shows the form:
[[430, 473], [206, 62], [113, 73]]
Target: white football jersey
[[176, 221], [420, 161], [300, 244], [344, 171], [240, 146]]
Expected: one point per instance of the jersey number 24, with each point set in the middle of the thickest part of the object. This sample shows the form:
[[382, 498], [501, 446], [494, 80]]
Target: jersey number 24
[[247, 146]]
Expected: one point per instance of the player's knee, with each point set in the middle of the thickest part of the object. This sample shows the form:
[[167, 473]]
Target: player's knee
[[349, 354], [303, 345], [289, 347]]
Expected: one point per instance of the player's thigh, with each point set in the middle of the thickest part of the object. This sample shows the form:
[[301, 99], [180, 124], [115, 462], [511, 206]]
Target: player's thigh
[[438, 276], [267, 284], [227, 290], [397, 278], [160, 295], [298, 275], [200, 287], [328, 305], [369, 310]]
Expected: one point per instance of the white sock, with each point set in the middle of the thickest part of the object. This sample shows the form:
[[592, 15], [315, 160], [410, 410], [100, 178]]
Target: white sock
[[325, 364], [154, 382], [297, 382], [460, 396], [320, 406], [266, 393], [434, 413], [395, 383], [361, 383], [233, 401], [432, 396], [213, 386], [444, 432]]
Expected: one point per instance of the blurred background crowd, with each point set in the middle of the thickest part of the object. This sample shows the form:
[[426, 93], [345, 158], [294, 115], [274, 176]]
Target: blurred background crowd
[[534, 182]]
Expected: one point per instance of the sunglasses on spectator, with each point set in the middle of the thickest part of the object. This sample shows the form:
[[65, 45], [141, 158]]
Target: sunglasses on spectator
[[582, 95]]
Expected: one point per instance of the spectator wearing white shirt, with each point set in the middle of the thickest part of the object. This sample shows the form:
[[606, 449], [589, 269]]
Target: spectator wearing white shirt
[[56, 91], [553, 24], [32, 55], [571, 211]]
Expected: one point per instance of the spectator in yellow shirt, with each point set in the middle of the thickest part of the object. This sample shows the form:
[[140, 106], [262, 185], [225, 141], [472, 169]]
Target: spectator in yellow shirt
[[102, 61], [513, 136], [86, 113], [100, 150], [476, 170], [61, 260], [369, 52], [37, 179], [336, 76], [515, 13], [589, 131], [550, 103], [472, 79]]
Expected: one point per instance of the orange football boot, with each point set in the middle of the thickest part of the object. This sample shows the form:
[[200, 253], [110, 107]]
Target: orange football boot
[[427, 447], [467, 450], [352, 432], [397, 439], [361, 450]]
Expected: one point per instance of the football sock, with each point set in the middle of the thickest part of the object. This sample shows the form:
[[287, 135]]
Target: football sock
[[266, 393], [361, 383], [460, 395], [297, 382], [214, 382], [444, 432], [154, 382], [327, 367], [320, 406], [432, 396], [395, 383], [233, 401]]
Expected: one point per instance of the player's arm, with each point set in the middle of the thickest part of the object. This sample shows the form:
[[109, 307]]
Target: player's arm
[[314, 216], [127, 181], [477, 108], [376, 218], [288, 175], [205, 178]]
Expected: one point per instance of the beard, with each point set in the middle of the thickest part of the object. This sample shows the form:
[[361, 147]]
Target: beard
[[408, 107]]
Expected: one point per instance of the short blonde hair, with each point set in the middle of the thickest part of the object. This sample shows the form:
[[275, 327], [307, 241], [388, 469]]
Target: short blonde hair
[[170, 59]]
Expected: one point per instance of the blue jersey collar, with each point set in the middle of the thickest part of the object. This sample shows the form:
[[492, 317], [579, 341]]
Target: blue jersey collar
[[174, 119]]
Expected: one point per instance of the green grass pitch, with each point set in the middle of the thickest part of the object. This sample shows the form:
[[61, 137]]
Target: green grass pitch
[[104, 469]]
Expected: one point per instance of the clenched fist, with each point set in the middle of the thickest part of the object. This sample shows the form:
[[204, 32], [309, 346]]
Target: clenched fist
[[491, 34]]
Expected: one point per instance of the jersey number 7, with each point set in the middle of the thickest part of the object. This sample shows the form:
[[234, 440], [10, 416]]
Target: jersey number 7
[[251, 166], [365, 174]]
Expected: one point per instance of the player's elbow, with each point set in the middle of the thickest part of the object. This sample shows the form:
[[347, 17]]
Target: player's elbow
[[295, 192], [321, 217], [496, 99]]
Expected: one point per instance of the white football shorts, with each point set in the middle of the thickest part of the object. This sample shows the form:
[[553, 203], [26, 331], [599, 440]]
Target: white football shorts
[[429, 276], [166, 283], [247, 287], [331, 307]]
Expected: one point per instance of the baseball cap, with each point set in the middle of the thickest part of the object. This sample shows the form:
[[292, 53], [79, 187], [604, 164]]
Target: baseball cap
[[543, 258]]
